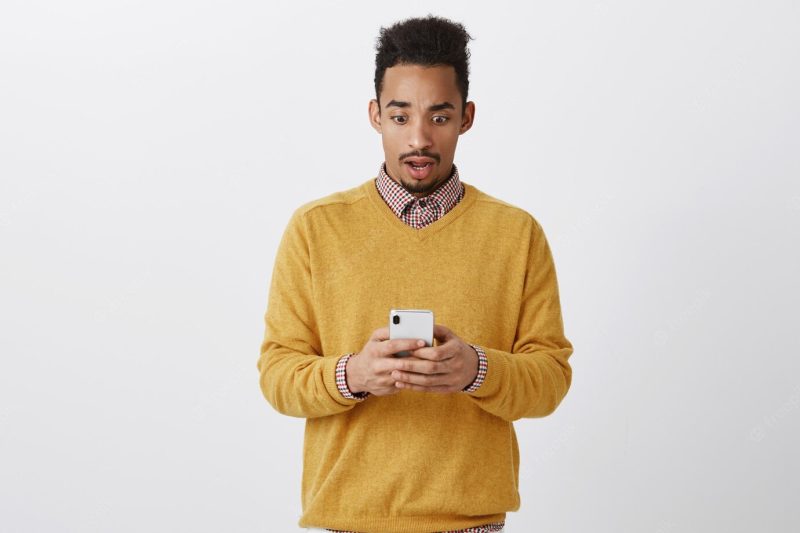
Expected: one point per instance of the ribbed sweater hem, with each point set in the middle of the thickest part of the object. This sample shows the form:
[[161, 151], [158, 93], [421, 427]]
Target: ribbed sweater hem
[[405, 524]]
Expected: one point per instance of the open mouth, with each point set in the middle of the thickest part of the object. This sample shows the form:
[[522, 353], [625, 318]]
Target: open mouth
[[419, 171]]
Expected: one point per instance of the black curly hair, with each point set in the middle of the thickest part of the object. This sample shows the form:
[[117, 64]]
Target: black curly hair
[[424, 41]]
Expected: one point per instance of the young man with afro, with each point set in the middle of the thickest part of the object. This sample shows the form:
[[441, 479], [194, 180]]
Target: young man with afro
[[423, 443]]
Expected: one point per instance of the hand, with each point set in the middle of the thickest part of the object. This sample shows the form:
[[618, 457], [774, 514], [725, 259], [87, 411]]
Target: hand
[[448, 367], [371, 369]]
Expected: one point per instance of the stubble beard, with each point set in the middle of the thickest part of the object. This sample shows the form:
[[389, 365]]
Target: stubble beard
[[421, 188]]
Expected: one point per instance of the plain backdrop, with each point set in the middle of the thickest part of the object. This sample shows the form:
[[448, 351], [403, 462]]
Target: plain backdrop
[[151, 154]]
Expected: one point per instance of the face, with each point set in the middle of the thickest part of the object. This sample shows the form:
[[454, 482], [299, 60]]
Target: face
[[420, 119]]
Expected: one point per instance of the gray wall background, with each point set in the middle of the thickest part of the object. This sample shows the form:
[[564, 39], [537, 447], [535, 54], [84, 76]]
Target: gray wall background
[[152, 152]]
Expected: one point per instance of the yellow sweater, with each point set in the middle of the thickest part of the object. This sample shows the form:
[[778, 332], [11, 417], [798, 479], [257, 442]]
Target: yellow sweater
[[412, 461]]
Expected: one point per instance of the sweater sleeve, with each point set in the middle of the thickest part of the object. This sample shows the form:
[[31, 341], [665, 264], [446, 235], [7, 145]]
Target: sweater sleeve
[[295, 377], [532, 379]]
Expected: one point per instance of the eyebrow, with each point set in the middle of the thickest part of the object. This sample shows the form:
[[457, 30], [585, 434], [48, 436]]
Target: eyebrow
[[435, 107]]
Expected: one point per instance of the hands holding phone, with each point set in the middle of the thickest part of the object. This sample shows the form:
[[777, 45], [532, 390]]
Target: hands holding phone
[[448, 367]]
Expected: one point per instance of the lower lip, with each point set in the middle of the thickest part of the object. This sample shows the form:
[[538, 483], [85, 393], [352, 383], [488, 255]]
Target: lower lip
[[422, 173]]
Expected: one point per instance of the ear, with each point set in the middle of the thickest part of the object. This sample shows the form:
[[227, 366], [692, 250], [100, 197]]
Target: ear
[[467, 118], [375, 115]]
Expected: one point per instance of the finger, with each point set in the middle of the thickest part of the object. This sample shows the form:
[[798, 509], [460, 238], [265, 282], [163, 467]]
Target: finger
[[427, 380], [386, 365], [380, 334], [419, 366], [391, 347], [442, 333], [435, 353]]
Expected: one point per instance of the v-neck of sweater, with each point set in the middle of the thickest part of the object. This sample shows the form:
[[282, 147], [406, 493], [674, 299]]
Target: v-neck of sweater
[[371, 191]]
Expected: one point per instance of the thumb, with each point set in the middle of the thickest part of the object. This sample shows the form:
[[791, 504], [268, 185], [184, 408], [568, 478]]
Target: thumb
[[442, 333], [380, 334]]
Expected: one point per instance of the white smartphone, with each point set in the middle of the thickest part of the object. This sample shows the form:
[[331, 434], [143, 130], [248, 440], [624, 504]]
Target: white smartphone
[[411, 324]]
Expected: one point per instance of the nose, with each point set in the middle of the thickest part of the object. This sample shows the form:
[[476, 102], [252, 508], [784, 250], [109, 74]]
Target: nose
[[420, 135]]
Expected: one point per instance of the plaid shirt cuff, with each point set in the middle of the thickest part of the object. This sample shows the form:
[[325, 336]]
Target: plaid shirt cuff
[[483, 364], [341, 380]]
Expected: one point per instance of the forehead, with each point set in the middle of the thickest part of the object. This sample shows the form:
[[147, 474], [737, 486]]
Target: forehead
[[419, 85]]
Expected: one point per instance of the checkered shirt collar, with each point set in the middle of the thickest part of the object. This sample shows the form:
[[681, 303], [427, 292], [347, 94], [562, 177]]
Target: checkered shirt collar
[[447, 195]]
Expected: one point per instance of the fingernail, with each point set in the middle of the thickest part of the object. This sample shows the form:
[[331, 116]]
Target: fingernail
[[420, 343]]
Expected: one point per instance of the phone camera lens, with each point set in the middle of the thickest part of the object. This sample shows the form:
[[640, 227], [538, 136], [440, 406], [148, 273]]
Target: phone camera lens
[[396, 319]]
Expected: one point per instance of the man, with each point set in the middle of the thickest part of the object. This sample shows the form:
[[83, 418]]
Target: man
[[421, 443]]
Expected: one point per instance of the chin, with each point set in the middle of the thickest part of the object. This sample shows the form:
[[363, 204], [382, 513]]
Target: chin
[[421, 186]]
